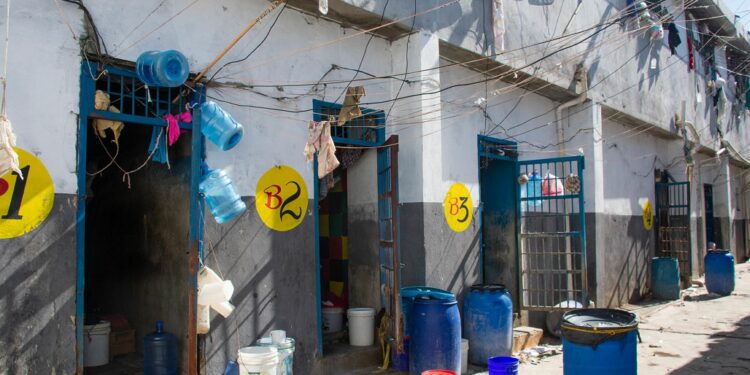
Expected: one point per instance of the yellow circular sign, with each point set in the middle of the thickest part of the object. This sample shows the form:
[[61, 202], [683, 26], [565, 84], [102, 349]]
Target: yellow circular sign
[[281, 198], [648, 219], [25, 203], [458, 208]]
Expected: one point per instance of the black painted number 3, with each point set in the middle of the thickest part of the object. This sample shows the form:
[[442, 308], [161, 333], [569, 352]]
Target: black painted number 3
[[455, 209], [14, 207]]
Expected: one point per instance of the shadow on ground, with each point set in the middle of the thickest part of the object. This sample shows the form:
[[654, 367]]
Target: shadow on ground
[[729, 353]]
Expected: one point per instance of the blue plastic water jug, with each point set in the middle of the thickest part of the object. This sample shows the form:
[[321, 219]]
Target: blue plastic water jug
[[219, 127], [220, 196], [162, 68], [159, 352]]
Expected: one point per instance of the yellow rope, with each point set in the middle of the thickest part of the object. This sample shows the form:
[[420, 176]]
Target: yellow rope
[[597, 331]]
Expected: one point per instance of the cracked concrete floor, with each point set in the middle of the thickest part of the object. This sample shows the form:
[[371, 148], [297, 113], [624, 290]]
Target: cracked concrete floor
[[704, 335]]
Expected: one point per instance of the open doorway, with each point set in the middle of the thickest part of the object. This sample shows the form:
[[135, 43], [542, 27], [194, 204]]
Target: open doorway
[[136, 250]]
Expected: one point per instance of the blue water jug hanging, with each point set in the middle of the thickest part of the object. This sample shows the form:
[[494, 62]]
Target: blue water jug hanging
[[222, 199], [219, 127], [160, 352], [162, 68]]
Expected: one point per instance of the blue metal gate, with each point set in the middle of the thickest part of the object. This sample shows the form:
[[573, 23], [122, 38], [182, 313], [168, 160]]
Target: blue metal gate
[[552, 233], [673, 225]]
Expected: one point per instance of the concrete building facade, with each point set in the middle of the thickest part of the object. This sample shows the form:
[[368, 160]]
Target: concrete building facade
[[564, 80]]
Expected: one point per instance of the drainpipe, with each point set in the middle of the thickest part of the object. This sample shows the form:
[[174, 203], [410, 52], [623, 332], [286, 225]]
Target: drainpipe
[[581, 87]]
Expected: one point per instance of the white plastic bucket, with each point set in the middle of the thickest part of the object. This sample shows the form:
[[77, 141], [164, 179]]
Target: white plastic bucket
[[464, 356], [333, 319], [361, 326], [285, 351], [96, 344], [258, 360]]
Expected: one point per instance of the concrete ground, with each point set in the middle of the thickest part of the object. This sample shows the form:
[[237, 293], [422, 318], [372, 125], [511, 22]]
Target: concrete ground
[[705, 334]]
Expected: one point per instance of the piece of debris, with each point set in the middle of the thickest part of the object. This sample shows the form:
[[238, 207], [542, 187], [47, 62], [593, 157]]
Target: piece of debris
[[697, 283], [654, 346], [665, 354], [537, 353]]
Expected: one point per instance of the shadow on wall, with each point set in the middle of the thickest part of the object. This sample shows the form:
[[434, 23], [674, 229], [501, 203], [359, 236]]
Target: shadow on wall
[[727, 353], [274, 278], [37, 296], [633, 274]]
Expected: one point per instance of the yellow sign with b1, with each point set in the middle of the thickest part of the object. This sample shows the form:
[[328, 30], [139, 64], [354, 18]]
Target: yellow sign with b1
[[25, 203], [458, 207], [281, 198]]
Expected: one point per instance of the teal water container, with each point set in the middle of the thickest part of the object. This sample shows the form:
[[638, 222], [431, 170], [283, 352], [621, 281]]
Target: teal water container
[[719, 272], [219, 126], [222, 199], [162, 68], [665, 278], [160, 352], [532, 189], [409, 293], [599, 341], [488, 322]]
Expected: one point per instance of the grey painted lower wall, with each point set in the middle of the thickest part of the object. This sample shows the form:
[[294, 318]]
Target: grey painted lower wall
[[274, 279], [37, 295]]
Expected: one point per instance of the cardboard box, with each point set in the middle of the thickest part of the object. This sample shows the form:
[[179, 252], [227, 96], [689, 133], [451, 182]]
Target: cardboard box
[[526, 337], [121, 342]]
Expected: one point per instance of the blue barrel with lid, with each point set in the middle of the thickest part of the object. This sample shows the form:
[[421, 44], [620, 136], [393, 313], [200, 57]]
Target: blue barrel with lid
[[222, 199], [162, 68], [409, 293], [160, 352], [599, 341], [435, 337], [719, 272], [488, 322], [665, 278], [219, 126]]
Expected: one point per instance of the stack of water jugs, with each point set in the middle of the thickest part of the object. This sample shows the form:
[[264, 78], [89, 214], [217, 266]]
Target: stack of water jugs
[[170, 69]]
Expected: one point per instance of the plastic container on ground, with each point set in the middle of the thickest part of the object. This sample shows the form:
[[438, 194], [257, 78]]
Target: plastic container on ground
[[96, 344], [285, 351], [258, 360], [219, 126], [435, 337], [665, 278], [232, 368], [719, 272], [159, 352], [599, 341], [408, 294], [553, 317], [503, 365], [361, 326], [162, 68], [333, 319], [400, 361], [222, 199], [488, 322], [464, 356], [438, 372]]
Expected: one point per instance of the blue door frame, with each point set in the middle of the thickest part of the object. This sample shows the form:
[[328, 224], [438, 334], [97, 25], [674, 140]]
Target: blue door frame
[[366, 131], [87, 112]]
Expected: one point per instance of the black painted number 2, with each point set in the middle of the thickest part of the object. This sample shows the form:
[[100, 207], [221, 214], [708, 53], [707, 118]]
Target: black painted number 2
[[19, 188], [283, 212]]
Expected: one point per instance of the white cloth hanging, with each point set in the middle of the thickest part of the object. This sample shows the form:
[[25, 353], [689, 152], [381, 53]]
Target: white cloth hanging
[[319, 141], [499, 24], [8, 156]]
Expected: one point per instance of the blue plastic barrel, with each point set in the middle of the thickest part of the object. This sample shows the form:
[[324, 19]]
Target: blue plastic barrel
[[159, 352], [502, 365], [488, 322], [665, 278], [219, 126], [400, 361], [719, 272], [409, 293], [162, 68], [435, 340], [222, 199], [599, 341]]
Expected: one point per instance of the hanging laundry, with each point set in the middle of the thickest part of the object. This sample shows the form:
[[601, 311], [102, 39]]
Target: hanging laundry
[[499, 25], [721, 105], [350, 110], [157, 147], [691, 54], [320, 143], [551, 185], [8, 156], [173, 127], [674, 37], [101, 102]]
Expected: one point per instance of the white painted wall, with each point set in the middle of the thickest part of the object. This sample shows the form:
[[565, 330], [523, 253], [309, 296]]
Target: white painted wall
[[301, 48], [43, 81]]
